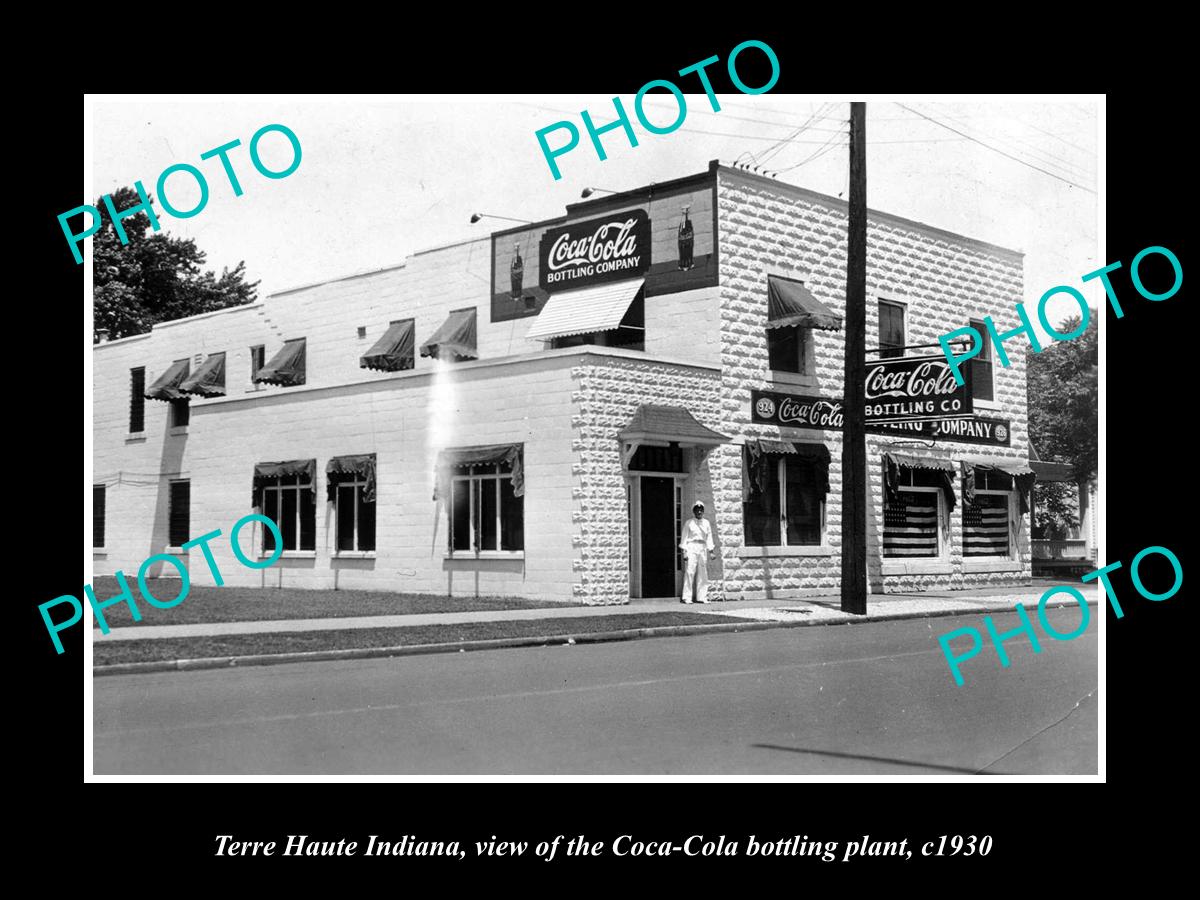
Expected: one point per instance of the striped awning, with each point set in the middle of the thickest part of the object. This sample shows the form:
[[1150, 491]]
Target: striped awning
[[1021, 472], [791, 303], [584, 311], [893, 462], [286, 367], [209, 379], [167, 385]]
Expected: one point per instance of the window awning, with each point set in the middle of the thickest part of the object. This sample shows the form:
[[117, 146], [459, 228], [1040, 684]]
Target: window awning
[[286, 367], [791, 303], [673, 424], [460, 457], [456, 336], [1051, 471], [393, 351], [584, 311], [265, 472], [894, 462], [167, 385], [342, 468], [754, 474], [209, 379], [1021, 472]]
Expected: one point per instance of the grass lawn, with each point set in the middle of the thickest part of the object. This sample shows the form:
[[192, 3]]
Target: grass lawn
[[112, 652], [237, 604]]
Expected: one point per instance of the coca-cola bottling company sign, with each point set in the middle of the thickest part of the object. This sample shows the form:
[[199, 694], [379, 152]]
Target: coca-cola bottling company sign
[[904, 389], [794, 411], [611, 248]]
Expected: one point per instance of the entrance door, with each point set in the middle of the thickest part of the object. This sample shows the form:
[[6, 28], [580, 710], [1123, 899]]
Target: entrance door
[[658, 536]]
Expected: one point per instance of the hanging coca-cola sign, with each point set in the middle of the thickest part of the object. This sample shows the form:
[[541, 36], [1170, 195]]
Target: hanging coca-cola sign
[[907, 388], [611, 248]]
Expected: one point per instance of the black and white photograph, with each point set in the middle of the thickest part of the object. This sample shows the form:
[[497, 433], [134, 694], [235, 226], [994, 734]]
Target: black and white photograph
[[699, 432]]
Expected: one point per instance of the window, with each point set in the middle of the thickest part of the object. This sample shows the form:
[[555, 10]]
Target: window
[[891, 329], [986, 521], [355, 516], [290, 502], [789, 349], [137, 400], [179, 513], [97, 516], [258, 357], [485, 515], [789, 507], [912, 520], [180, 413], [979, 369]]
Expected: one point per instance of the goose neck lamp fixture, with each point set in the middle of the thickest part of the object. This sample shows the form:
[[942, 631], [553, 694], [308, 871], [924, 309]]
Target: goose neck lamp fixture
[[475, 217]]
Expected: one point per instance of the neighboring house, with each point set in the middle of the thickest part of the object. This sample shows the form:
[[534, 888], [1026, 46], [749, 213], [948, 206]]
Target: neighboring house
[[532, 412], [1075, 552]]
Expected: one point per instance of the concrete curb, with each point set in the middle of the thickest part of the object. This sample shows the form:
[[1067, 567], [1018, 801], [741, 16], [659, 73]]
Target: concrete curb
[[592, 637]]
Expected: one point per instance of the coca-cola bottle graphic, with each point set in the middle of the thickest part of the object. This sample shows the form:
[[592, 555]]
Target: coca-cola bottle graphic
[[686, 240], [517, 271]]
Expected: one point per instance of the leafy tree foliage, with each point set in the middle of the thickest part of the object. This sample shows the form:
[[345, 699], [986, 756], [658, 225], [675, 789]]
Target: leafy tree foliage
[[155, 277]]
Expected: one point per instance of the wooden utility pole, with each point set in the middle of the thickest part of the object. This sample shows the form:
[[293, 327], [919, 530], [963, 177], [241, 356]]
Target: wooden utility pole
[[854, 440]]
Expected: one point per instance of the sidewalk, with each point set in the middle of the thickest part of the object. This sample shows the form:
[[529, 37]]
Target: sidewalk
[[810, 610]]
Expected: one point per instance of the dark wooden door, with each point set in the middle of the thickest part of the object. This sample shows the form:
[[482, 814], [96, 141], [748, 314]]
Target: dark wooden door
[[658, 537]]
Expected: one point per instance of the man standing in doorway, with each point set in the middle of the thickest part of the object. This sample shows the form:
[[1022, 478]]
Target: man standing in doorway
[[698, 545]]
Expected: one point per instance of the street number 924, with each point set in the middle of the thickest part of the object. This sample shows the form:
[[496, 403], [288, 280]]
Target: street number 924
[[967, 846]]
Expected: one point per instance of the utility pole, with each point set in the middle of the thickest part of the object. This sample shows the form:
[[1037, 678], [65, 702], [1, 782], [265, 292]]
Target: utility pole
[[854, 440]]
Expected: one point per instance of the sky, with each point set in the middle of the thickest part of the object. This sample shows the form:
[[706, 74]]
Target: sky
[[382, 177]]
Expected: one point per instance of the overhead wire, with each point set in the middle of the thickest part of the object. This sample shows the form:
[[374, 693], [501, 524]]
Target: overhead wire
[[997, 150]]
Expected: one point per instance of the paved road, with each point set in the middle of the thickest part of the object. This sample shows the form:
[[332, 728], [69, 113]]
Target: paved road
[[854, 699]]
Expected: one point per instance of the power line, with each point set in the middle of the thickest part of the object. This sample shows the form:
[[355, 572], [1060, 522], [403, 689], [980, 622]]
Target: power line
[[997, 150], [1066, 164]]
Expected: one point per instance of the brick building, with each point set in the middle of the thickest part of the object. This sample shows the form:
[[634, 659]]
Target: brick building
[[533, 411]]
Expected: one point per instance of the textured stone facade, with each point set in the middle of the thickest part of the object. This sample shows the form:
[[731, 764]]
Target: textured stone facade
[[944, 280]]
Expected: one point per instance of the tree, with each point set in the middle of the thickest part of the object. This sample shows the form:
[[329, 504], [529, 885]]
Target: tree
[[154, 277], [1063, 391]]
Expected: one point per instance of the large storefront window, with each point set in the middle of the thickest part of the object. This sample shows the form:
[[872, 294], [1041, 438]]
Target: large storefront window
[[918, 497], [484, 512], [484, 491], [286, 494], [785, 489], [350, 482], [912, 517], [289, 500], [987, 517]]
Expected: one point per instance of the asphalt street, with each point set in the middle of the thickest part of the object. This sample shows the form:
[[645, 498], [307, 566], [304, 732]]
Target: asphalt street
[[840, 699]]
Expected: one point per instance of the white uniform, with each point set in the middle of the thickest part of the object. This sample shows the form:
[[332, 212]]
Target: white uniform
[[696, 542]]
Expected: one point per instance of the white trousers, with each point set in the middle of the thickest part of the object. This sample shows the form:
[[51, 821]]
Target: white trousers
[[696, 573]]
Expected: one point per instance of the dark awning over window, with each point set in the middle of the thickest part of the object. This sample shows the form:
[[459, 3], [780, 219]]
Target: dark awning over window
[[393, 351], [343, 468], [209, 380], [652, 422], [167, 385], [267, 472], [455, 337], [791, 303], [894, 462], [760, 453], [1020, 472], [460, 457], [286, 367]]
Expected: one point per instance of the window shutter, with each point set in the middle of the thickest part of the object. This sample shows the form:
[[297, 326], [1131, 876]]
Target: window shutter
[[180, 516], [97, 515], [137, 400]]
